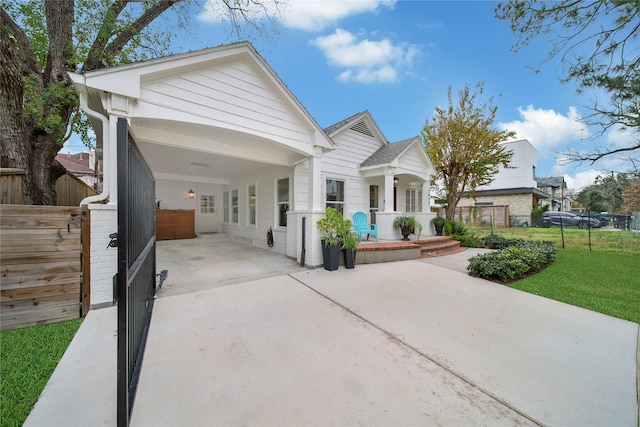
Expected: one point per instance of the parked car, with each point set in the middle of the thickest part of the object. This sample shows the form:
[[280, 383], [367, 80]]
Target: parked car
[[569, 220]]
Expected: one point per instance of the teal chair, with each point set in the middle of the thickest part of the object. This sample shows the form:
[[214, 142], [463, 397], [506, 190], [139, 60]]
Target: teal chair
[[361, 226]]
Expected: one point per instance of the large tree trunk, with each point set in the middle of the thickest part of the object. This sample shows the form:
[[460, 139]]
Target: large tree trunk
[[27, 140]]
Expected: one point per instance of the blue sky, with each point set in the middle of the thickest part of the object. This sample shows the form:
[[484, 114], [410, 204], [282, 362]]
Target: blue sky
[[397, 60]]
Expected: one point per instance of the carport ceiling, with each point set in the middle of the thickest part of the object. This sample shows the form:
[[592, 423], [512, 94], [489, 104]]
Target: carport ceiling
[[191, 163], [206, 152]]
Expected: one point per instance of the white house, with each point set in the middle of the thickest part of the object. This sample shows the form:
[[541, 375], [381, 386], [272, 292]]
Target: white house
[[515, 186], [225, 137]]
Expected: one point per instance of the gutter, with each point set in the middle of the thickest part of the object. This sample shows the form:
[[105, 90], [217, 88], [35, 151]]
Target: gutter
[[84, 95]]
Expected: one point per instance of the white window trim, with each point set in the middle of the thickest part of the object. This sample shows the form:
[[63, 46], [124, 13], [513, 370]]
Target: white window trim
[[237, 221], [345, 181], [278, 203], [226, 214], [255, 205]]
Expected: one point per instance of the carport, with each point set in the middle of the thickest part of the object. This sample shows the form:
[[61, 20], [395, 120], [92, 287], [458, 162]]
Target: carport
[[216, 123]]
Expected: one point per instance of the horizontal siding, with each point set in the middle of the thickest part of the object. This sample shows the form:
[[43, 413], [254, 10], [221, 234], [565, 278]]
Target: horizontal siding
[[353, 148], [230, 94]]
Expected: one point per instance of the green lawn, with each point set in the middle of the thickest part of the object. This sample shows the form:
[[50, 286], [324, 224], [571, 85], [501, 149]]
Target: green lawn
[[28, 358], [605, 282], [602, 240], [603, 277]]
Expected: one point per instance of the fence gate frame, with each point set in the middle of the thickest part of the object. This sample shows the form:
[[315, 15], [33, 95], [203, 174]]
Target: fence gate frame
[[135, 281]]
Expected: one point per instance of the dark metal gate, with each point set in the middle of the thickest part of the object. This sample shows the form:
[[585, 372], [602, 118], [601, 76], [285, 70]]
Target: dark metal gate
[[135, 281]]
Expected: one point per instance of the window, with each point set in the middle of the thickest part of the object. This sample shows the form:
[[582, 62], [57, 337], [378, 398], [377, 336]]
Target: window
[[225, 206], [207, 204], [283, 201], [251, 193], [414, 200], [373, 197], [234, 206], [335, 195]]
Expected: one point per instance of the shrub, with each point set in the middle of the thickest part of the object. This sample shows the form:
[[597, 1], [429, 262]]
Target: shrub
[[513, 262], [496, 241], [466, 237]]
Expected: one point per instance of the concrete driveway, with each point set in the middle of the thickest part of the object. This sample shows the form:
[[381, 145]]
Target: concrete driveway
[[404, 343]]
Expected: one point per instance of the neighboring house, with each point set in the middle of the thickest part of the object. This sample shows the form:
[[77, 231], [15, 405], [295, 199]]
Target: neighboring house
[[84, 166], [225, 137], [556, 188], [514, 187]]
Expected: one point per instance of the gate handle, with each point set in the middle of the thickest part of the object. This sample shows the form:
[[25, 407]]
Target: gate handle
[[114, 240]]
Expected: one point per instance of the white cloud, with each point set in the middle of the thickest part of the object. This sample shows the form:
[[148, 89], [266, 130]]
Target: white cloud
[[306, 15], [547, 129], [582, 179], [366, 61], [619, 137], [316, 15]]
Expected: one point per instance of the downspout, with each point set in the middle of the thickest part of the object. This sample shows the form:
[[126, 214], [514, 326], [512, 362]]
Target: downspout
[[105, 153]]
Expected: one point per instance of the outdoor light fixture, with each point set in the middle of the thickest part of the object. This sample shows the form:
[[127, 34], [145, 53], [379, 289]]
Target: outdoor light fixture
[[252, 197], [192, 194], [396, 181]]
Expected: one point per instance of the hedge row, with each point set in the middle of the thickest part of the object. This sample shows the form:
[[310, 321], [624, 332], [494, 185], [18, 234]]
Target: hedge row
[[515, 258]]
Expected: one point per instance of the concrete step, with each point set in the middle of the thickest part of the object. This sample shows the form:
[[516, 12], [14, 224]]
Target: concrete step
[[442, 245]]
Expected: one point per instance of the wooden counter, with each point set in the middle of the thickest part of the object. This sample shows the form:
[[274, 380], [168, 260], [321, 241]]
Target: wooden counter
[[175, 224]]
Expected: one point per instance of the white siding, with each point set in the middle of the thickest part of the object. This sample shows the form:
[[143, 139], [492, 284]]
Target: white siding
[[521, 174], [412, 163], [230, 96], [266, 209], [353, 148]]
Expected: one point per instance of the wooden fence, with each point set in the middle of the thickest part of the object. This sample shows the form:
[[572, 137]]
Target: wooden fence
[[40, 265], [70, 190], [483, 215], [11, 186]]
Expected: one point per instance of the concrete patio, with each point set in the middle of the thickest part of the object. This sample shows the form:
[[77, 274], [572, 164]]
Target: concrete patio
[[403, 343]]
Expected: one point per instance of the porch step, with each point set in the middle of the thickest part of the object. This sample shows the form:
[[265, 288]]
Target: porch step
[[439, 246], [370, 252]]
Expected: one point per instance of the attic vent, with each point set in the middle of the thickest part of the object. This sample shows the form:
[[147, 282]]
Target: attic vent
[[362, 128]]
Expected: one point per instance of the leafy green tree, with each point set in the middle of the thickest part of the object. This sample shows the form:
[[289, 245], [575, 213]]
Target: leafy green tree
[[465, 151], [605, 194], [42, 40], [596, 42], [592, 199]]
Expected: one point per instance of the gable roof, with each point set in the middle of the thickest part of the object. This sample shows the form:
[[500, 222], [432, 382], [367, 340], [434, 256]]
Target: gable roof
[[387, 153], [76, 163], [128, 80], [361, 122], [554, 181]]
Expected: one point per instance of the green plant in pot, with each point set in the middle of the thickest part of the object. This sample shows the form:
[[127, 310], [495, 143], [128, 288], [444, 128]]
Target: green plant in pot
[[438, 224], [331, 225], [349, 244], [407, 225]]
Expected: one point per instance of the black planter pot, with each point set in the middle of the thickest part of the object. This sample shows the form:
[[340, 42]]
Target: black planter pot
[[439, 229], [331, 256], [349, 258], [405, 232]]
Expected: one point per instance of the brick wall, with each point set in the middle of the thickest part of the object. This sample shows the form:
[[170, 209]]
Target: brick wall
[[520, 205]]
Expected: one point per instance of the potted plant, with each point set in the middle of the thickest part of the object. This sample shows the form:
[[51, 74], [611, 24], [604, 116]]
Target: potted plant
[[331, 244], [349, 245], [407, 225], [438, 224]]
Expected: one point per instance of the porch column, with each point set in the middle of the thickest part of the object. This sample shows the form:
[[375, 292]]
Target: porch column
[[388, 191], [315, 180], [426, 196]]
